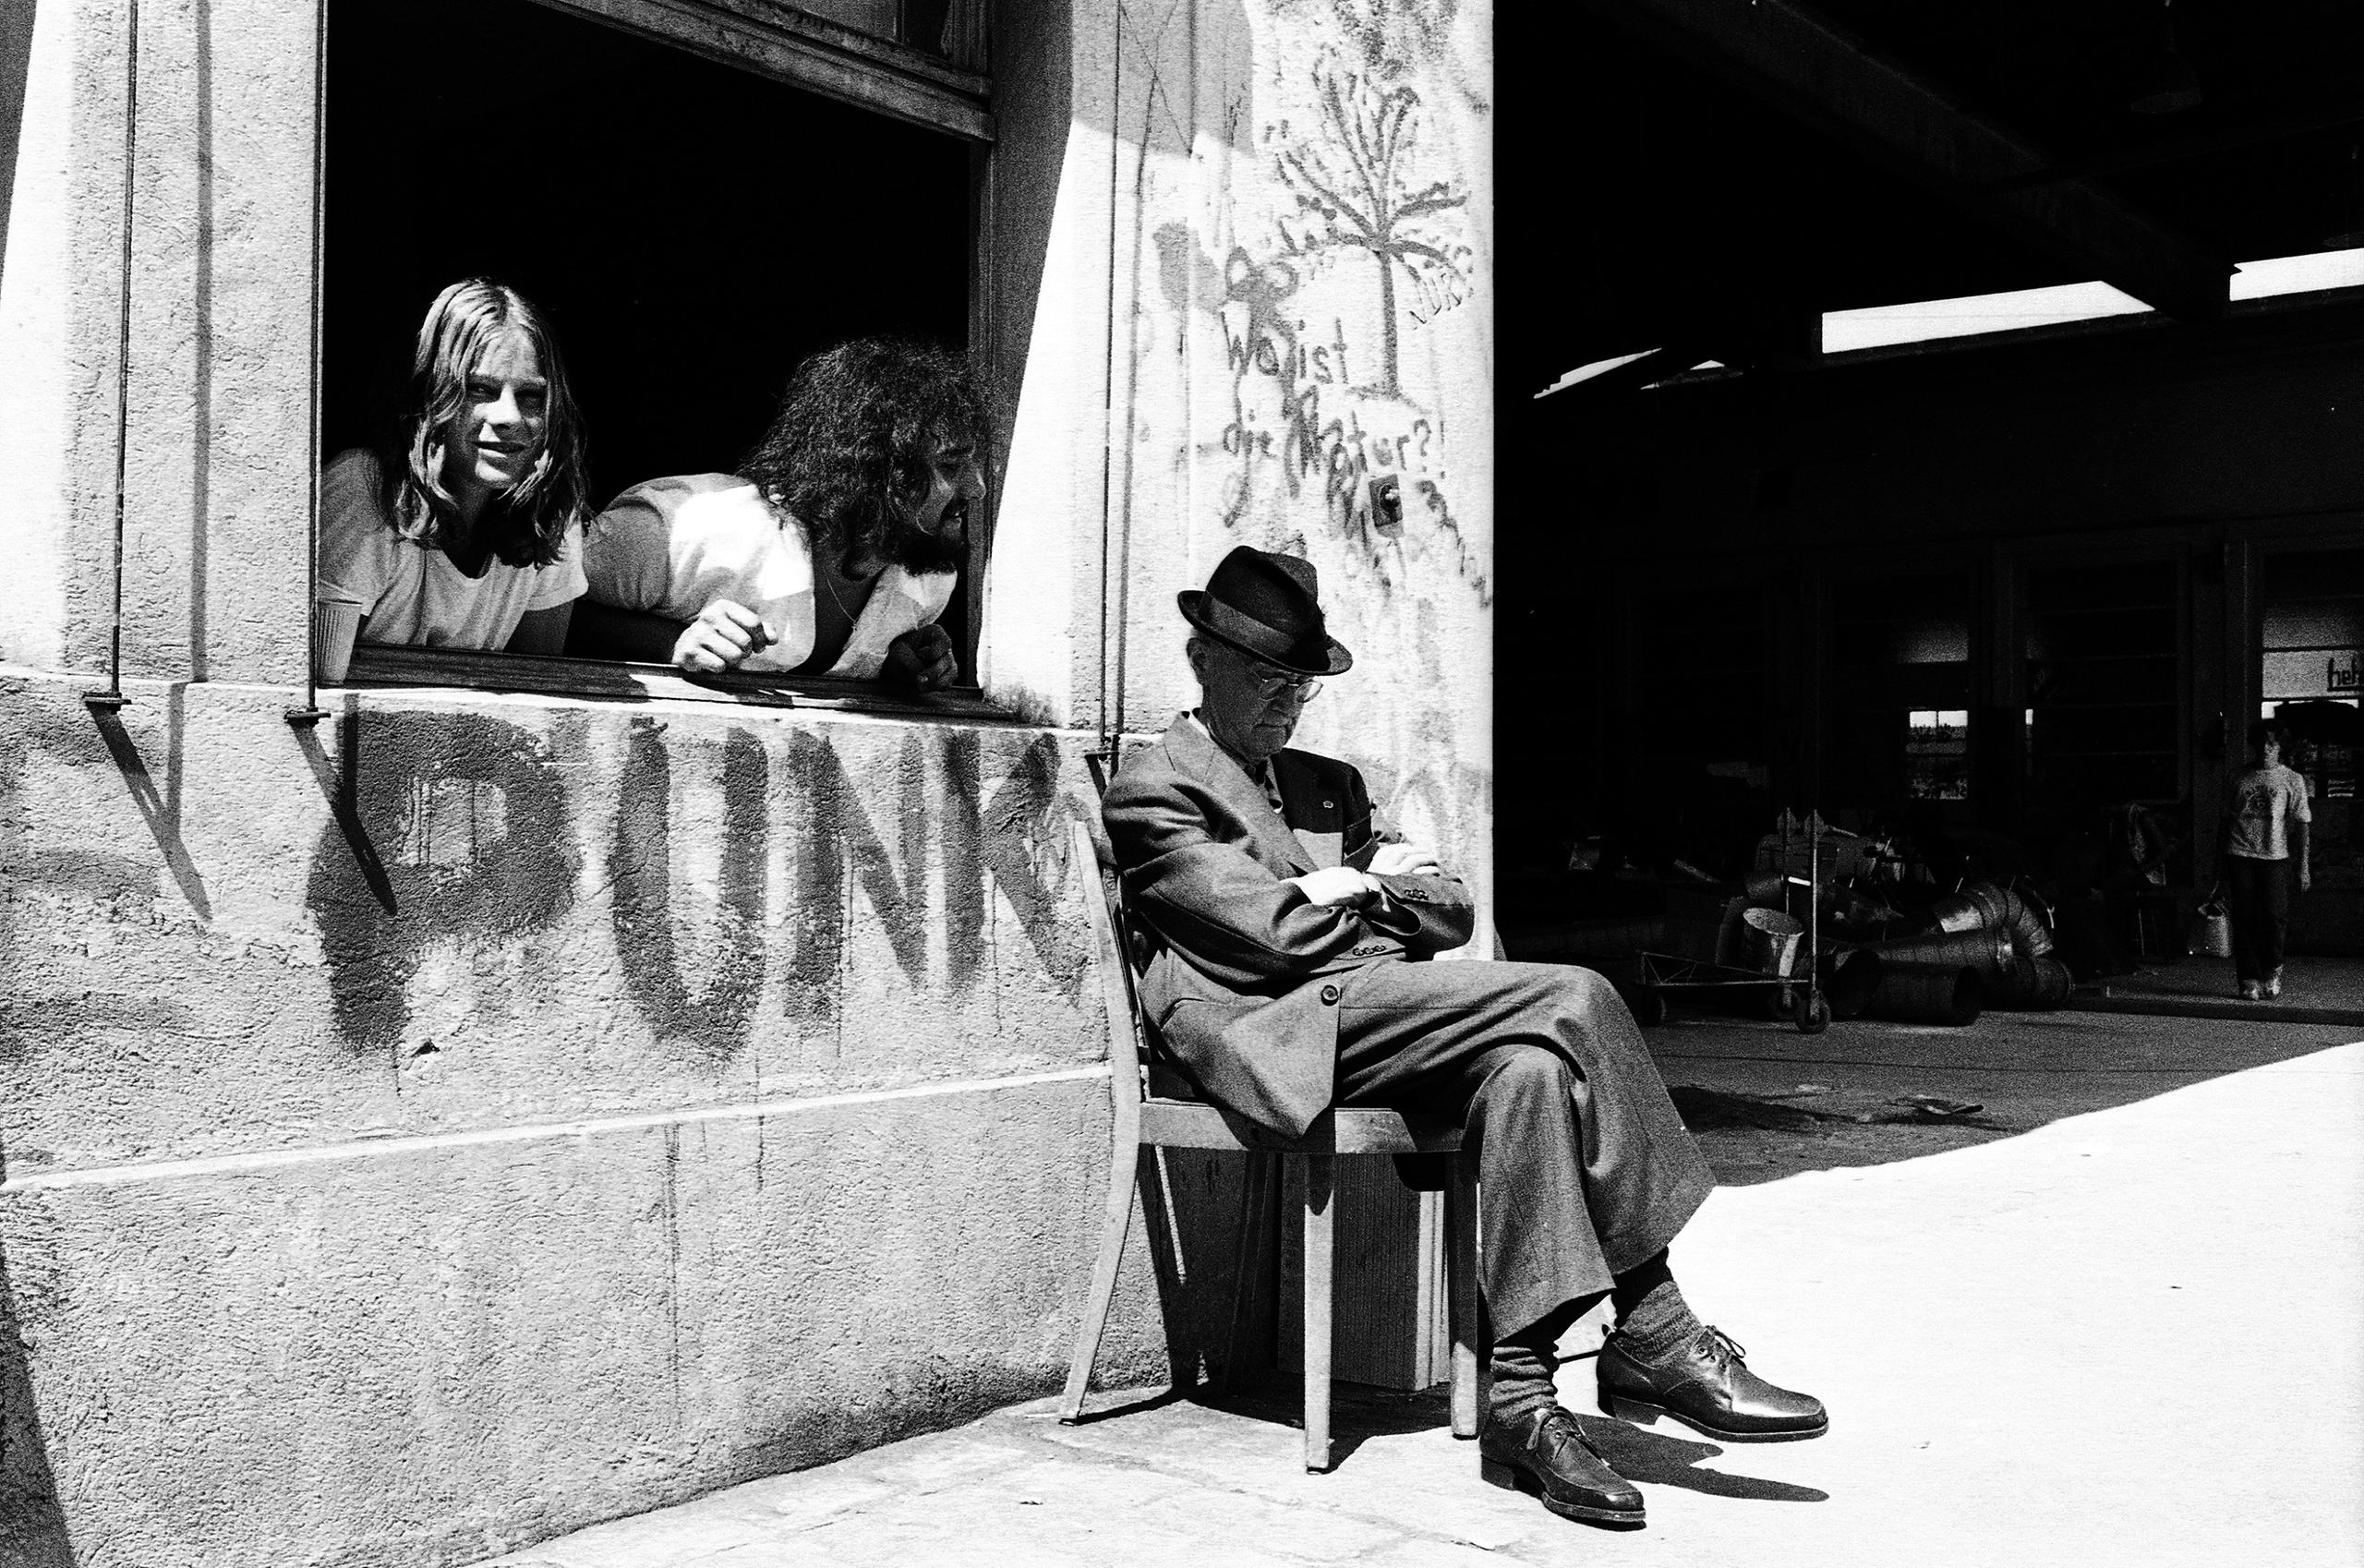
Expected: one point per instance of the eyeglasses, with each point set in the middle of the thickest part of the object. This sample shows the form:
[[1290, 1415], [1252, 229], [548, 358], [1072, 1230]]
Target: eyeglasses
[[1272, 683], [1270, 680]]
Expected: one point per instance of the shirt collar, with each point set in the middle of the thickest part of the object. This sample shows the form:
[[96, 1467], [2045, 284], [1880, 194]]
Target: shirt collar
[[1261, 775]]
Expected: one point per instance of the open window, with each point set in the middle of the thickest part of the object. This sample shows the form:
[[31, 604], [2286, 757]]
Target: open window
[[696, 196]]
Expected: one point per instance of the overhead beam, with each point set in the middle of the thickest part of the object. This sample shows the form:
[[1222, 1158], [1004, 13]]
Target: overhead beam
[[1806, 68], [2182, 147]]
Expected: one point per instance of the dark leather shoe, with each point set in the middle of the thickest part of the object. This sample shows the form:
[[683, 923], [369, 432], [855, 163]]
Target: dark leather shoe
[[1544, 1452], [1706, 1386]]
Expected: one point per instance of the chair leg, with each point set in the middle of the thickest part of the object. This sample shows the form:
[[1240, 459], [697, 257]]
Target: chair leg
[[1317, 1173], [1255, 1207], [1124, 1161], [1473, 1356]]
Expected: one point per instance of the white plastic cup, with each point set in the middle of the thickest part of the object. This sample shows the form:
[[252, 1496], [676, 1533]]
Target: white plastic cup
[[336, 620]]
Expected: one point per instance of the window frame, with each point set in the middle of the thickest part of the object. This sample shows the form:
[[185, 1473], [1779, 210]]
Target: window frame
[[772, 39]]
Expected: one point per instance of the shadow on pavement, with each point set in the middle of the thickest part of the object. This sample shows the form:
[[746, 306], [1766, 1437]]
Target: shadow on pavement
[[1357, 1411], [1093, 1416], [1654, 1459], [1765, 1102]]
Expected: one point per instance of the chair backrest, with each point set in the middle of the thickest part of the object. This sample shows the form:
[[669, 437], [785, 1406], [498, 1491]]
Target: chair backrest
[[1101, 897]]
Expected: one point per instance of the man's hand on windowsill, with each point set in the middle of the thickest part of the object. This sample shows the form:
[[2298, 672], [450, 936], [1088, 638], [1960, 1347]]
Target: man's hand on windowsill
[[720, 638], [923, 658]]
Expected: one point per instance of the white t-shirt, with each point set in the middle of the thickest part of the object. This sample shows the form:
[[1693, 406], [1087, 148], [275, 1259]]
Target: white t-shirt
[[413, 594], [671, 546], [2265, 802]]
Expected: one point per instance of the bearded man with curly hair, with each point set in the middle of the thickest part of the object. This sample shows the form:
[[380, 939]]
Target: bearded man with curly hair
[[832, 551]]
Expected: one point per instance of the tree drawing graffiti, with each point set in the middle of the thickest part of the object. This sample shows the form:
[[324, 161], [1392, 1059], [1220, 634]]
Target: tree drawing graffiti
[[1357, 182], [1387, 34]]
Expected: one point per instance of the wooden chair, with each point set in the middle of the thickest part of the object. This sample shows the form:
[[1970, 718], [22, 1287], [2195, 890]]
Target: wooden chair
[[1142, 1119]]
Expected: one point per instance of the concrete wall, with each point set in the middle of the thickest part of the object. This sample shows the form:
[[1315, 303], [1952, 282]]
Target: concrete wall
[[481, 1114], [217, 479], [497, 1115]]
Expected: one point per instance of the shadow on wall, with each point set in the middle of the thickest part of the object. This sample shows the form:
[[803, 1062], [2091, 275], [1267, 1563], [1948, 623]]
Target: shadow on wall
[[159, 807], [1227, 1282], [1191, 1207], [37, 1005], [16, 68], [32, 1526]]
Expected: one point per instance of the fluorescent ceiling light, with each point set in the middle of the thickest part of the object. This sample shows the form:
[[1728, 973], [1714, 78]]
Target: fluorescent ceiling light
[[1703, 365], [1602, 367], [1888, 324], [2298, 274], [1597, 367]]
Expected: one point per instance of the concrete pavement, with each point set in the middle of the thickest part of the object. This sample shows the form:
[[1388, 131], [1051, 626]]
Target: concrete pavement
[[2314, 990], [2115, 1316]]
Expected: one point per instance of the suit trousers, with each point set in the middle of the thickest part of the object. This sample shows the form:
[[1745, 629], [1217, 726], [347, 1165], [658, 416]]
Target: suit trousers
[[1584, 1168]]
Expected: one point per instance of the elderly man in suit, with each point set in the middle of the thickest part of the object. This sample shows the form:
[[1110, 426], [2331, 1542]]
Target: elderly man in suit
[[1284, 927]]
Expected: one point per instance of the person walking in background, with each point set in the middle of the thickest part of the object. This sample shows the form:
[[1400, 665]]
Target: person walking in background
[[2265, 831]]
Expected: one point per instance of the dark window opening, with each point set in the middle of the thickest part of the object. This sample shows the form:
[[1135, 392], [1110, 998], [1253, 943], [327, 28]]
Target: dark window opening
[[690, 230], [1690, 777], [2104, 673], [1899, 692], [1698, 668]]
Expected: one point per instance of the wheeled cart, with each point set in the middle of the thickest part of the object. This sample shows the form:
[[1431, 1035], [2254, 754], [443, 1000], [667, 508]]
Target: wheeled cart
[[1793, 997]]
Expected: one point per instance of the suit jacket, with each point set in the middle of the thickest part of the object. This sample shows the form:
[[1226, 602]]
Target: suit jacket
[[1239, 973]]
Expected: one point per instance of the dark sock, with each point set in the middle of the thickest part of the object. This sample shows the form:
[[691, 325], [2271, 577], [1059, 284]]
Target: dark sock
[[1525, 1362], [1522, 1382], [1652, 1317]]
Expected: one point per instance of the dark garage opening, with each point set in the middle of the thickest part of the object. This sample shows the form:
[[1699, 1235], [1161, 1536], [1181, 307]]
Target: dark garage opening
[[1983, 595]]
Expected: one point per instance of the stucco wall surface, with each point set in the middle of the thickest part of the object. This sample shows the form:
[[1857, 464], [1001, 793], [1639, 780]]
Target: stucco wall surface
[[217, 476], [479, 1116], [440, 1350], [439, 907], [1267, 280]]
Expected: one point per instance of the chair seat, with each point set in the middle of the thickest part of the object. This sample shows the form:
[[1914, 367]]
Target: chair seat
[[1347, 1130]]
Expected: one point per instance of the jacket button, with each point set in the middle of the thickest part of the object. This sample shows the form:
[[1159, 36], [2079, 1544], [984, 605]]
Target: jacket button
[[1329, 994]]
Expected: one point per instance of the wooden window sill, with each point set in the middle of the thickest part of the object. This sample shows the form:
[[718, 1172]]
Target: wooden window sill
[[381, 666]]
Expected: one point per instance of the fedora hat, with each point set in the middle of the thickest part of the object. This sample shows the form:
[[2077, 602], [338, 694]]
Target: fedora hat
[[1266, 604]]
